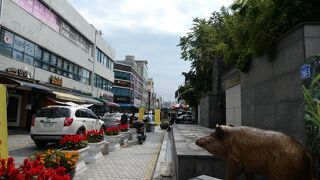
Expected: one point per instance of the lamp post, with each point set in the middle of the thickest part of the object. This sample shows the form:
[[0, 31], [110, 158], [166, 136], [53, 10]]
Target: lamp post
[[149, 99]]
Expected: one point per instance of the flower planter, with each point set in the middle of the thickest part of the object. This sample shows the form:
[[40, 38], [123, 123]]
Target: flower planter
[[129, 135], [114, 142], [124, 138], [105, 148], [81, 165], [94, 153]]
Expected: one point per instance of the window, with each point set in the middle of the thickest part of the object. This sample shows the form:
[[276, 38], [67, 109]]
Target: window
[[46, 56], [65, 65], [17, 55], [60, 62], [29, 48], [28, 59], [91, 114], [19, 43], [53, 59], [38, 52], [6, 38]]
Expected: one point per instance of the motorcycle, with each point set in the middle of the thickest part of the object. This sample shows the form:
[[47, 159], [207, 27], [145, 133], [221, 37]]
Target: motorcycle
[[141, 133]]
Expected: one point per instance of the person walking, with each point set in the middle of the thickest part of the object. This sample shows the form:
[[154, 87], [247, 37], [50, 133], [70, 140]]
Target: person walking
[[132, 118], [124, 118]]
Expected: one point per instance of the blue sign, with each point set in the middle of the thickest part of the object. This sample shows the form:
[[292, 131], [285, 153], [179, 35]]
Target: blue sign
[[305, 71]]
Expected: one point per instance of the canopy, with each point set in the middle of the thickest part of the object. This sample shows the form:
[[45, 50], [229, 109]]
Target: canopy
[[68, 97]]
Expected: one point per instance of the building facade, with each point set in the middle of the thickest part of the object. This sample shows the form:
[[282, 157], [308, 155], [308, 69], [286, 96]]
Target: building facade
[[127, 87], [50, 54]]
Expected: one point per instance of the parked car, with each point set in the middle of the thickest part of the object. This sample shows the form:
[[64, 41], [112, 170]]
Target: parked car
[[112, 119], [184, 118], [52, 122]]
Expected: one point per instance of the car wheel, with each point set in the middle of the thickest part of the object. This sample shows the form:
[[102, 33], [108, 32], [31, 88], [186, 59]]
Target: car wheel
[[81, 131], [103, 128], [41, 144]]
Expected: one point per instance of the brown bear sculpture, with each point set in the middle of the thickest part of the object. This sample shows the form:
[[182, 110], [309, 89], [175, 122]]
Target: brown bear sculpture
[[256, 151]]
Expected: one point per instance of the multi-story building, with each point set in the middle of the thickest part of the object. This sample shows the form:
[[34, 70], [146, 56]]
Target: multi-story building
[[128, 85], [50, 54]]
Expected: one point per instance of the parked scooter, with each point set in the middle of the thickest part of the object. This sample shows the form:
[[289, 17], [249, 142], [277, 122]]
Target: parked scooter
[[141, 133]]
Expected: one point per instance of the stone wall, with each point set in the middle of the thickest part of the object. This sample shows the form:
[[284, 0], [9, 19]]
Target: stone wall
[[271, 96], [210, 111]]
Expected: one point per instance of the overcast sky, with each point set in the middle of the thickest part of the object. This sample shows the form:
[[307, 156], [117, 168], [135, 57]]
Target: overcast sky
[[150, 30]]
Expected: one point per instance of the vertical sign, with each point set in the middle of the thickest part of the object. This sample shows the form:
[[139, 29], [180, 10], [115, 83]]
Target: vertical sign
[[141, 114], [3, 123], [157, 116]]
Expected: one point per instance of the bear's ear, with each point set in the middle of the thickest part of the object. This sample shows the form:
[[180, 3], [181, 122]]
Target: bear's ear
[[219, 132]]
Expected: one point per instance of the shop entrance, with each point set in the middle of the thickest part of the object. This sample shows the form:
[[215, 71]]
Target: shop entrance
[[13, 110]]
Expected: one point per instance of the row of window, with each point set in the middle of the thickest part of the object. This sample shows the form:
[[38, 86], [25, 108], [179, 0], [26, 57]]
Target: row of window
[[102, 83], [16, 47], [122, 92], [123, 75], [104, 59]]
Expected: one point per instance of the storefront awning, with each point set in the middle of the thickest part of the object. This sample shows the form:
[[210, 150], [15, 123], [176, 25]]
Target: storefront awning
[[92, 101], [68, 97], [28, 84], [113, 104]]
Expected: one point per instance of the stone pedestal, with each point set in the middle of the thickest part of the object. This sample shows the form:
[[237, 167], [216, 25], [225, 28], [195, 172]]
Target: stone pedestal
[[94, 153], [114, 142]]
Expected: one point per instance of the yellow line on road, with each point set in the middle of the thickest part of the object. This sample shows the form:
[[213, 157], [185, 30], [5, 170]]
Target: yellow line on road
[[152, 162]]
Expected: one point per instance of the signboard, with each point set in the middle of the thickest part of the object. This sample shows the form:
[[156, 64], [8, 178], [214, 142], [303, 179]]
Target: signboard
[[305, 71], [18, 72], [157, 116], [3, 123], [122, 99], [122, 83], [141, 114], [56, 80]]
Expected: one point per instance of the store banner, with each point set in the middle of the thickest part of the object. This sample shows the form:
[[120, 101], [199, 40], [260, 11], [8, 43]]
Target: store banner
[[3, 123], [141, 114], [157, 116]]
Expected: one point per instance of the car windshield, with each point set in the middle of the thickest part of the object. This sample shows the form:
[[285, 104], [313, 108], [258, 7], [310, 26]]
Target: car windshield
[[54, 112]]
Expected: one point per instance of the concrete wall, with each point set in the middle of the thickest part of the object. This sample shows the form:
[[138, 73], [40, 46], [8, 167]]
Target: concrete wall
[[233, 105], [271, 96], [210, 111]]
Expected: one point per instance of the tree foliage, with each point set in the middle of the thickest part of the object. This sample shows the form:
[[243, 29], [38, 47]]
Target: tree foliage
[[247, 29]]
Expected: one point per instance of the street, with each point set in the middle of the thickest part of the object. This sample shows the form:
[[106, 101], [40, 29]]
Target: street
[[133, 161]]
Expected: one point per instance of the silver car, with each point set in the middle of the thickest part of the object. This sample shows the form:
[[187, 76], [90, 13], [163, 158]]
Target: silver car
[[112, 119]]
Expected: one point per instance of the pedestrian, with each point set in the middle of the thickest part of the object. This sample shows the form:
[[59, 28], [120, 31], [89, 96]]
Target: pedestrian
[[124, 118], [172, 119], [132, 118]]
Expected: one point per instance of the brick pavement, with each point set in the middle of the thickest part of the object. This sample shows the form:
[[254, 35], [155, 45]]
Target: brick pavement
[[133, 162]]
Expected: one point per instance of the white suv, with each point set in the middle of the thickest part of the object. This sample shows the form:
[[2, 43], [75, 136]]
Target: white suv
[[52, 122]]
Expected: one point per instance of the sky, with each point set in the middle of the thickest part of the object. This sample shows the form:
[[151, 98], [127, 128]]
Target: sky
[[150, 30]]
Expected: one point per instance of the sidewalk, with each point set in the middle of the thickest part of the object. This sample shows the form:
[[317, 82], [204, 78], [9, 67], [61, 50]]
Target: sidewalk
[[134, 162]]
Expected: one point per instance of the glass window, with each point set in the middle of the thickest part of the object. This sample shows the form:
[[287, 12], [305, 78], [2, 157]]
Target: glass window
[[52, 69], [38, 52], [65, 65], [29, 48], [54, 59], [6, 51], [60, 62], [59, 71], [46, 66], [99, 82], [28, 59], [46, 56], [76, 69], [17, 55], [6, 38], [38, 63], [19, 43], [65, 73], [71, 67], [97, 54]]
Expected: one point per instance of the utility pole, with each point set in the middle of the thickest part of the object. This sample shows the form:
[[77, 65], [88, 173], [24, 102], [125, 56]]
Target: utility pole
[[149, 96]]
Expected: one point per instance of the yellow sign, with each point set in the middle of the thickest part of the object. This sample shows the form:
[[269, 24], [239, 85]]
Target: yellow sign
[[3, 123], [141, 114], [157, 116]]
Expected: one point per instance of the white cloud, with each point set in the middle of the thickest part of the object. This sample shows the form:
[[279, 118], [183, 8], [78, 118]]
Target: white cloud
[[149, 29]]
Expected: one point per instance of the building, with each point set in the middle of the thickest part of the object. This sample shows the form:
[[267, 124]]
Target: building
[[127, 87], [140, 70], [50, 54]]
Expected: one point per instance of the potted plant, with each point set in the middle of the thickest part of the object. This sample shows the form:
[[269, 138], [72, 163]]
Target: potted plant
[[96, 143], [164, 124], [113, 137], [31, 169], [123, 130], [76, 143]]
